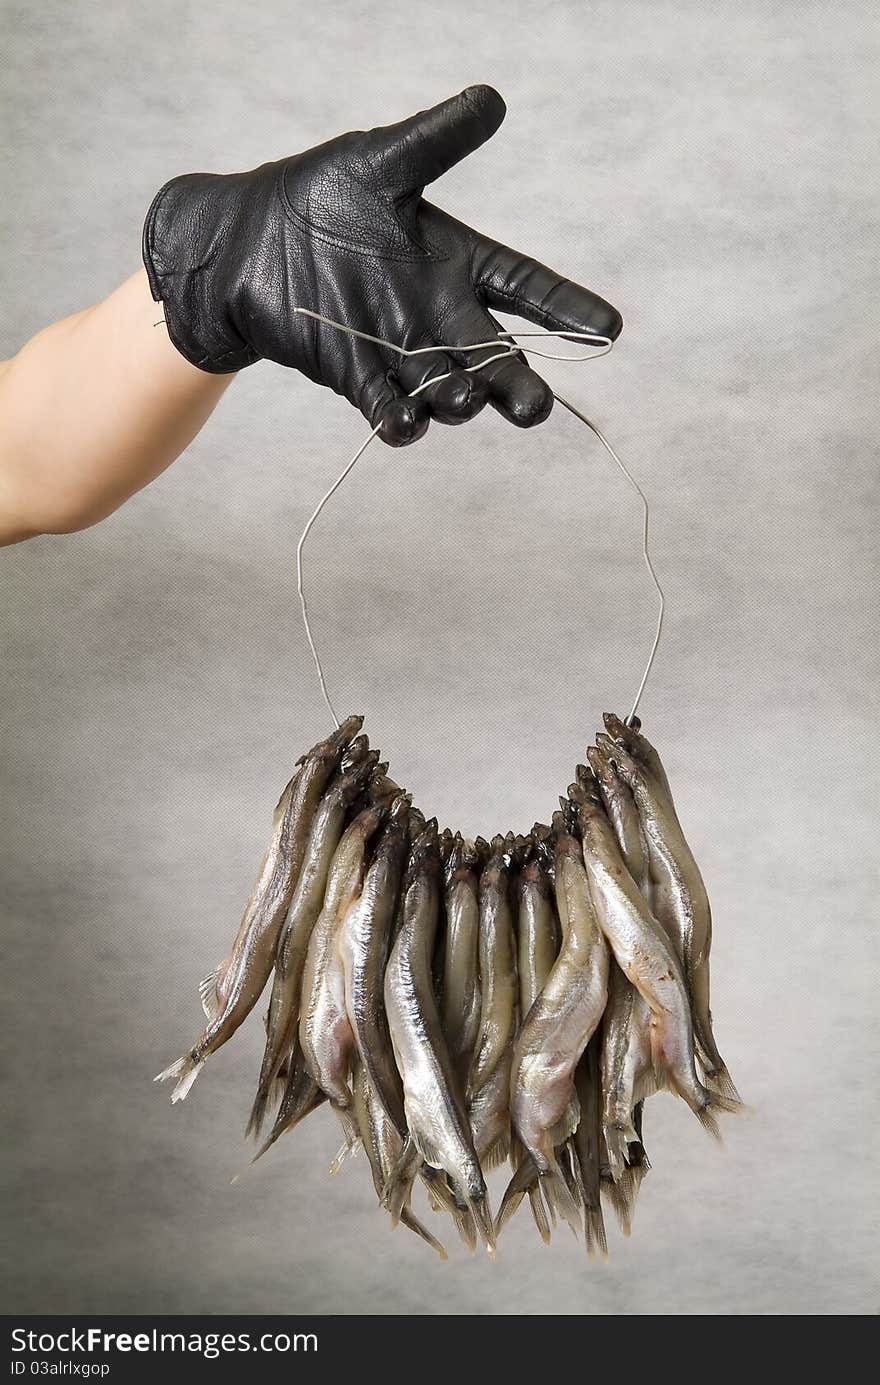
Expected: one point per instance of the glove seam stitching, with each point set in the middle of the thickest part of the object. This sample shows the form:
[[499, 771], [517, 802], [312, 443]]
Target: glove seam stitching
[[303, 224]]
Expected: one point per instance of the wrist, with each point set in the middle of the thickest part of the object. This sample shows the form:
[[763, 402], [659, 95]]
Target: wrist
[[169, 373]]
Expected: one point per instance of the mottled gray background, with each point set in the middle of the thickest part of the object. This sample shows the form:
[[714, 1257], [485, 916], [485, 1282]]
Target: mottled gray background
[[712, 170]]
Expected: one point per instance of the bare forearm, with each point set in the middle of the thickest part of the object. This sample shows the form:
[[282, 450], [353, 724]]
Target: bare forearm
[[91, 410]]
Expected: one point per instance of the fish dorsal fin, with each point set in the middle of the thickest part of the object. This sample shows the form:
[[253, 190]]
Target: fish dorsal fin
[[209, 993]]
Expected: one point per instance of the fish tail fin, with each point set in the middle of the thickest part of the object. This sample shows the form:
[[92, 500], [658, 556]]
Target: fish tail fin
[[438, 1190], [568, 1162], [720, 1081], [733, 1105], [539, 1212], [186, 1070], [629, 1187], [267, 1089], [277, 1089], [269, 1141], [413, 1224], [637, 1165], [484, 1221], [616, 1142], [351, 1142], [706, 1104], [594, 1231], [616, 1146], [398, 1185], [523, 1181], [347, 1148], [683, 1080], [588, 1191], [560, 1197], [708, 1120], [278, 1052], [615, 1194], [713, 1064], [463, 1218], [289, 1118], [257, 1116], [394, 1197]]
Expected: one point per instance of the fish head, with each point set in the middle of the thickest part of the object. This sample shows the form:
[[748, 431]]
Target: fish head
[[622, 765], [425, 859], [586, 797], [395, 831], [453, 861], [346, 732], [353, 755], [355, 781], [399, 811], [534, 874], [628, 738], [446, 842], [416, 824]]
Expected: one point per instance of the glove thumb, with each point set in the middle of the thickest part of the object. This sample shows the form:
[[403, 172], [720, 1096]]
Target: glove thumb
[[417, 150]]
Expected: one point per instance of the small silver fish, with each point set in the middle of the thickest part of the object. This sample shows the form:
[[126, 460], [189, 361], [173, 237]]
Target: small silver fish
[[434, 1111], [626, 1065], [559, 1025], [538, 939], [364, 943], [488, 1096], [679, 896], [643, 952], [230, 993], [538, 932], [325, 1032], [461, 974], [498, 983], [305, 906]]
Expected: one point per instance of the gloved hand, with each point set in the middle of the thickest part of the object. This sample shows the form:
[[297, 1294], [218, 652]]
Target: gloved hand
[[343, 229]]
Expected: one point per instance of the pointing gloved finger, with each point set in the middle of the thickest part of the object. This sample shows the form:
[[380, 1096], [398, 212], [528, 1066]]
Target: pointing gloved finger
[[403, 420], [515, 283]]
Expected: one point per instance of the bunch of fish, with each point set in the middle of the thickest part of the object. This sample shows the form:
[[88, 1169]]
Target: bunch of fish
[[459, 1003]]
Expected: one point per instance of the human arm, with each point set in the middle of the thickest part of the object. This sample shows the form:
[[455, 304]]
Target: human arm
[[92, 409]]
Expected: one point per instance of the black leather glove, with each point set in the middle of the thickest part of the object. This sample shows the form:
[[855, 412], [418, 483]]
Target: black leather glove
[[343, 229]]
